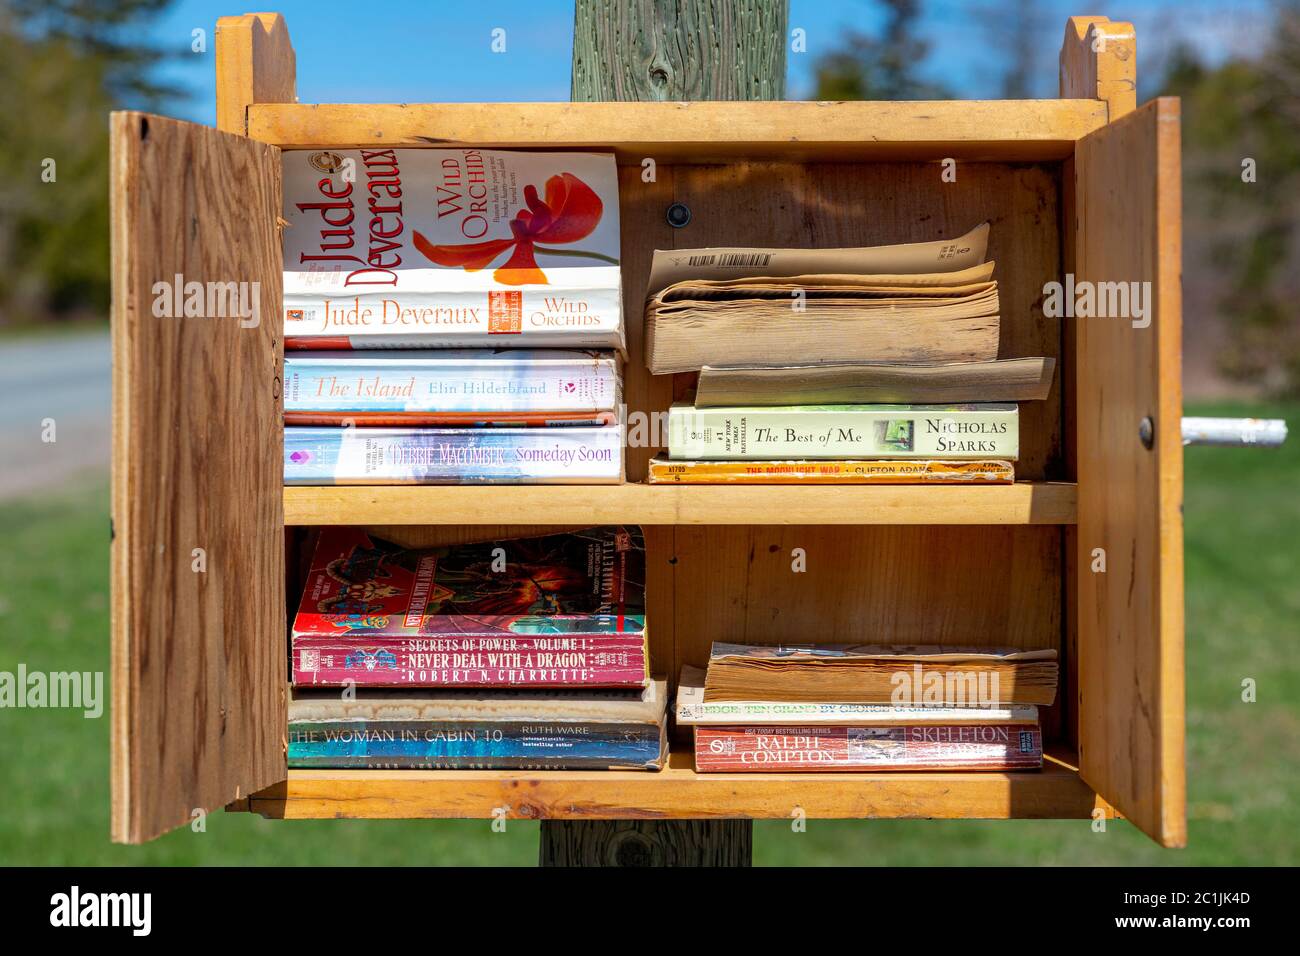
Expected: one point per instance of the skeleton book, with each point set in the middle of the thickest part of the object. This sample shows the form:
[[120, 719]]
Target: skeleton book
[[904, 747]]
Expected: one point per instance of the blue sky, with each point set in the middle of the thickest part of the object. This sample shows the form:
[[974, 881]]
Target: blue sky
[[393, 51]]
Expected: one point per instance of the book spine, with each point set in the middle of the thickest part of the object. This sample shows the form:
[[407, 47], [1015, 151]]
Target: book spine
[[850, 432], [452, 456], [474, 744], [615, 661], [753, 713], [470, 389], [434, 419], [426, 317], [912, 747], [831, 472]]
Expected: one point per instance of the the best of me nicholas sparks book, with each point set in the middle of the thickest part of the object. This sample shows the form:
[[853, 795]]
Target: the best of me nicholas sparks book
[[410, 248]]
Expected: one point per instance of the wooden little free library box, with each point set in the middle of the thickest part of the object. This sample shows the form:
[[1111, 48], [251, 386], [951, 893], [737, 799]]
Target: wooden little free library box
[[1088, 185]]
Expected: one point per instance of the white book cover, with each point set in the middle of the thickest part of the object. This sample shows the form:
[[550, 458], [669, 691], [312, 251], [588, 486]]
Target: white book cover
[[451, 383], [410, 248], [693, 709]]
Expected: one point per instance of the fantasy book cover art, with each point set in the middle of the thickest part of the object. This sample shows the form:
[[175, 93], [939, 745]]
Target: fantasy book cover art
[[582, 582]]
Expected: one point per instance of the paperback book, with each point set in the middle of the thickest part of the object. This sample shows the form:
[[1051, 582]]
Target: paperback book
[[878, 673], [589, 660], [692, 709], [453, 456], [905, 747], [394, 248], [452, 387], [373, 611], [956, 432], [832, 472], [534, 730], [864, 383]]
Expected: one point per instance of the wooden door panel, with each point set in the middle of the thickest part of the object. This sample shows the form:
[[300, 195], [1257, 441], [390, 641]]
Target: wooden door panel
[[1130, 616], [198, 620]]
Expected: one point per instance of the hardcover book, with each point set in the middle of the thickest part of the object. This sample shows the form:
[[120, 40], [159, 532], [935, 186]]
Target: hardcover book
[[393, 248], [451, 387], [957, 432], [510, 730], [388, 610], [907, 747], [453, 456], [663, 471]]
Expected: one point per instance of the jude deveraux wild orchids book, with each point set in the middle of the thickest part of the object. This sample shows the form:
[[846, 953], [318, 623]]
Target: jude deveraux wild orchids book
[[394, 248]]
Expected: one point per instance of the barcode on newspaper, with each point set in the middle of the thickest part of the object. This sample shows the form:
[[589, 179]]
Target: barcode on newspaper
[[732, 259]]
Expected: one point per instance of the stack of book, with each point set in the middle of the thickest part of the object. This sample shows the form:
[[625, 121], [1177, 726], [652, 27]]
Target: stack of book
[[864, 707], [875, 365], [527, 653], [451, 316]]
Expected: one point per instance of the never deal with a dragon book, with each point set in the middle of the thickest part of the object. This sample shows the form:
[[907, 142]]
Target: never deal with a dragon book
[[560, 610]]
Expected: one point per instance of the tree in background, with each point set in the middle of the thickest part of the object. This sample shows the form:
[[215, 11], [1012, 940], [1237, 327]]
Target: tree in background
[[1241, 155], [64, 64], [884, 67]]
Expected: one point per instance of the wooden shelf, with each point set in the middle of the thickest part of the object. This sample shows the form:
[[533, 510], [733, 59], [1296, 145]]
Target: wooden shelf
[[705, 132], [1023, 503], [678, 791]]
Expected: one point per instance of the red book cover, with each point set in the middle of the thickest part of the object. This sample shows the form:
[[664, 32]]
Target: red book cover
[[911, 747], [383, 614], [589, 660]]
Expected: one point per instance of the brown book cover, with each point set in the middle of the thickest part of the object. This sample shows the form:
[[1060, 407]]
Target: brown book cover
[[873, 673], [856, 383], [936, 317]]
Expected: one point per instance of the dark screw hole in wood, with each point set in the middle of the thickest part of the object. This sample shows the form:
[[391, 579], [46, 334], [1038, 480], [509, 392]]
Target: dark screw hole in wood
[[679, 215]]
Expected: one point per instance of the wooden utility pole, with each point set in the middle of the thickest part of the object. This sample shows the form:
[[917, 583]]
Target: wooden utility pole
[[669, 50], [679, 50]]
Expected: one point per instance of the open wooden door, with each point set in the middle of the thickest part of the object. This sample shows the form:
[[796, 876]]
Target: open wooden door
[[1130, 467], [198, 619]]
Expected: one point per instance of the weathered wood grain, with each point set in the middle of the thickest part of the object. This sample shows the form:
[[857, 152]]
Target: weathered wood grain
[[679, 50], [647, 843], [198, 662], [1130, 618]]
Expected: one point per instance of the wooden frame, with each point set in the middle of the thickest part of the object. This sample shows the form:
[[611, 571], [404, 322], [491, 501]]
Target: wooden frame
[[1086, 184]]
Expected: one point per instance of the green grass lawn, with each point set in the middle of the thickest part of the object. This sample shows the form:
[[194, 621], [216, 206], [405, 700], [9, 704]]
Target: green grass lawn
[[1243, 605]]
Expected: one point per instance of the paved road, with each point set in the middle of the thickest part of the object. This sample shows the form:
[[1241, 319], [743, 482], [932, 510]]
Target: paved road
[[60, 377]]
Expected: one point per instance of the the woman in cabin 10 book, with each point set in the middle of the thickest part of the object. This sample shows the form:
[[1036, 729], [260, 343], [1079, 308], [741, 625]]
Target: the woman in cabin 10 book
[[570, 212]]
